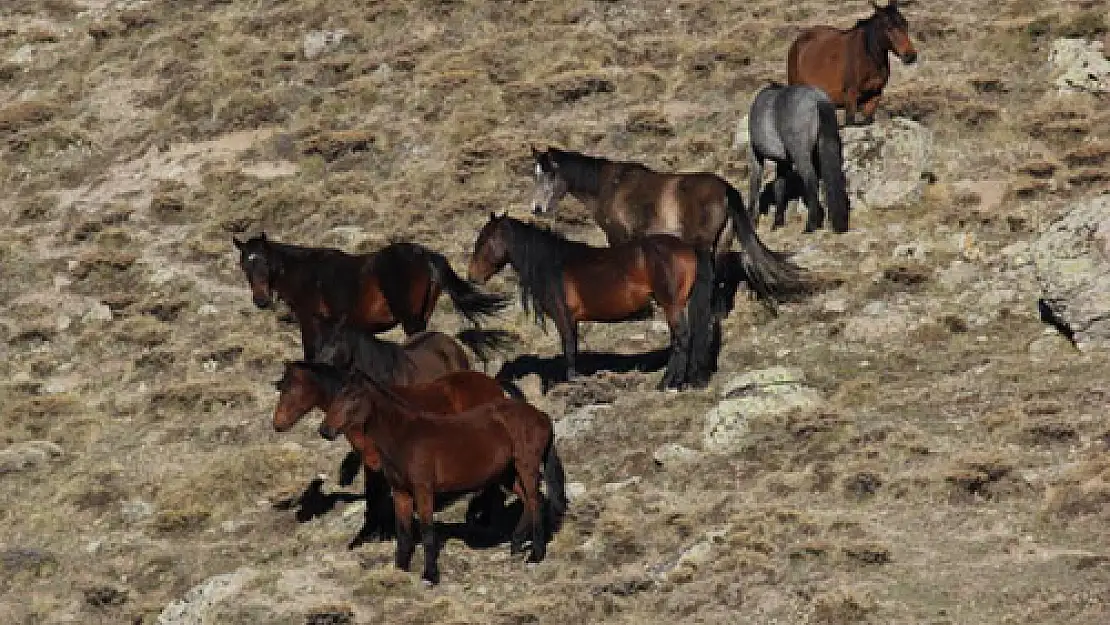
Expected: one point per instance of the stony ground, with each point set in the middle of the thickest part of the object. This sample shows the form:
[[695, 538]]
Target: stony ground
[[912, 445]]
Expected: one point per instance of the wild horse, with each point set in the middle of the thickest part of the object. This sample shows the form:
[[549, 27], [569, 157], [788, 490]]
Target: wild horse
[[398, 284], [629, 201], [570, 282], [304, 386], [851, 65], [795, 126], [423, 454]]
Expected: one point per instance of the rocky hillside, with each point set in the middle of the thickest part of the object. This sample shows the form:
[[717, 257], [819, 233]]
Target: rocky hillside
[[914, 444]]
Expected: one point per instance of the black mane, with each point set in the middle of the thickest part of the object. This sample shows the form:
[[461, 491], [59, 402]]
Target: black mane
[[582, 172], [330, 377], [537, 253], [876, 42], [354, 350]]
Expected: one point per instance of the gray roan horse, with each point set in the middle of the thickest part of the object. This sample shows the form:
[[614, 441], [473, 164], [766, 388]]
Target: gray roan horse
[[629, 201], [795, 126]]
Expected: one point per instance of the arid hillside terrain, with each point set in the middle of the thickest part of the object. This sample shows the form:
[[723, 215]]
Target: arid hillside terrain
[[911, 444]]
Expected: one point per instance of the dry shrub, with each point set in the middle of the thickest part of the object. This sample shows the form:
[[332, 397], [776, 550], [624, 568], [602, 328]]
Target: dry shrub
[[1088, 155], [25, 115], [1082, 491]]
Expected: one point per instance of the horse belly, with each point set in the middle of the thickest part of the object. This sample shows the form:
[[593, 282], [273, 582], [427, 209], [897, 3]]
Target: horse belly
[[607, 290], [373, 311], [462, 464]]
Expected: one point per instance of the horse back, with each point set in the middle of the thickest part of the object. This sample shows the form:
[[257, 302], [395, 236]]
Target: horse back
[[453, 393], [431, 355], [818, 57]]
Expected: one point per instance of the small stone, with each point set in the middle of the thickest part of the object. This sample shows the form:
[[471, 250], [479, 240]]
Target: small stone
[[578, 422], [136, 510], [318, 42], [835, 306], [98, 312], [207, 309], [574, 490], [28, 455]]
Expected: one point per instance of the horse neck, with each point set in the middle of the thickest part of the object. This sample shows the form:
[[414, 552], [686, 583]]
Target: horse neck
[[875, 43], [582, 174], [377, 358], [538, 256], [383, 417], [290, 259]]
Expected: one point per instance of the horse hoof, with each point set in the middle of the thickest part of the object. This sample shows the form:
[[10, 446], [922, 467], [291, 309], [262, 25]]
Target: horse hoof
[[429, 579]]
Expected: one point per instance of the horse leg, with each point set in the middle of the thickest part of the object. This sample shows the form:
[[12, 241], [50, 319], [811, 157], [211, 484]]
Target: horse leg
[[816, 216], [755, 184], [782, 175], [851, 103], [310, 334], [531, 503], [676, 375], [568, 332], [869, 106], [402, 509], [516, 542], [378, 509], [425, 511]]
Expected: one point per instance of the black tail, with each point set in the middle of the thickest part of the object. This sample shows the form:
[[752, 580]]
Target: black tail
[[831, 166], [482, 342], [768, 273], [704, 323], [468, 299], [555, 479]]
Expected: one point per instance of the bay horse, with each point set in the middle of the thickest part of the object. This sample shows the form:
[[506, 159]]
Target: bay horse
[[398, 284], [304, 386], [852, 65], [571, 282], [423, 454], [629, 200], [795, 126]]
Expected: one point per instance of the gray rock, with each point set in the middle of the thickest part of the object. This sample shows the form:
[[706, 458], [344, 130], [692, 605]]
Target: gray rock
[[578, 422], [671, 454], [1080, 65], [199, 605], [885, 162], [741, 137], [879, 322], [318, 42], [98, 312], [764, 392], [27, 455], [1072, 265]]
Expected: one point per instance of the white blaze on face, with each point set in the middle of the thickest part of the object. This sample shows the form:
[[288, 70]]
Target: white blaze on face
[[252, 257], [539, 171]]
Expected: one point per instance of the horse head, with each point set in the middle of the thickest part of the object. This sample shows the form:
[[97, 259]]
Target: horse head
[[301, 390], [896, 29], [260, 267], [551, 185], [491, 250]]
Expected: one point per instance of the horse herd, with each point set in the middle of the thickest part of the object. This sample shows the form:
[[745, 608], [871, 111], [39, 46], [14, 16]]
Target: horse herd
[[421, 422]]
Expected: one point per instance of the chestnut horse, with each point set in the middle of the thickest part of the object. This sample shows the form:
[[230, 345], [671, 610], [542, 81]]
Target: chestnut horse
[[398, 284], [423, 454], [629, 201], [570, 282], [852, 66], [304, 386]]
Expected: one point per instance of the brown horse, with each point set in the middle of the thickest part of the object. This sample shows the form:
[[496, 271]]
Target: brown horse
[[398, 284], [852, 66], [570, 282], [423, 454], [304, 386], [629, 200]]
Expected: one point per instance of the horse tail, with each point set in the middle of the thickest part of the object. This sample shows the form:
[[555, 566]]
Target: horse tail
[[467, 298], [555, 479], [482, 342], [830, 160], [769, 274], [704, 324]]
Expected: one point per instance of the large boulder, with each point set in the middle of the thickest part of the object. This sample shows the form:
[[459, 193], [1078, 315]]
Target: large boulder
[[1080, 65], [764, 392], [1072, 263], [886, 162]]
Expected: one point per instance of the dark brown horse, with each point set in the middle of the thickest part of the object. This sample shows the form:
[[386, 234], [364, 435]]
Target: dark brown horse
[[852, 65], [305, 386], [423, 454], [629, 201], [398, 284], [570, 282]]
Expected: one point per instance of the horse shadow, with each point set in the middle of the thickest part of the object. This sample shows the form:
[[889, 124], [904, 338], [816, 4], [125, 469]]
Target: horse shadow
[[553, 369], [489, 522]]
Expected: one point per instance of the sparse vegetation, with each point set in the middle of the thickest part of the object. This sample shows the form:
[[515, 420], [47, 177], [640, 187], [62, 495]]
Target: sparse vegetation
[[950, 474]]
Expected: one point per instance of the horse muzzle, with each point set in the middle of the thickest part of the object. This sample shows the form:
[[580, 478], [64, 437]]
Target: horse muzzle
[[327, 433], [910, 57], [262, 301]]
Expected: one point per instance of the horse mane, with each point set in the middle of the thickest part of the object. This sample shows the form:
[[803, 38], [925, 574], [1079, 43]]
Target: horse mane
[[330, 377], [875, 41], [355, 350], [582, 172], [368, 386], [537, 253]]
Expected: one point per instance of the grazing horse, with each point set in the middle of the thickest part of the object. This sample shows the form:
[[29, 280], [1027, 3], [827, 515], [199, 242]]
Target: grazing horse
[[570, 282], [304, 386], [398, 284], [423, 454], [852, 65], [629, 200], [795, 126]]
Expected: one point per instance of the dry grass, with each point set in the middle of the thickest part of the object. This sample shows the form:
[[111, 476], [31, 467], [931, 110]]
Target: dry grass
[[953, 474]]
